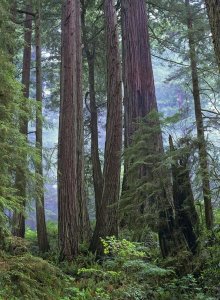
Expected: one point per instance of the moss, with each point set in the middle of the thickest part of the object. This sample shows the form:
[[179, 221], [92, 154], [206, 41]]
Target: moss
[[29, 277]]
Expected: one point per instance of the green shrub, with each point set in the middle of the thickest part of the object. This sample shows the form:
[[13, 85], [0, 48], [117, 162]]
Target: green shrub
[[29, 277]]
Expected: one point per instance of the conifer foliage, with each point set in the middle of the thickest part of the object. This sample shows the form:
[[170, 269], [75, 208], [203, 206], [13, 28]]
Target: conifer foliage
[[14, 148]]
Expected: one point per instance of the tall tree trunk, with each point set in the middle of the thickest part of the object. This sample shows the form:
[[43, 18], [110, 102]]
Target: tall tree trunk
[[213, 9], [70, 140], [139, 90], [107, 221], [203, 156], [139, 100], [21, 178], [40, 212], [96, 164], [84, 223]]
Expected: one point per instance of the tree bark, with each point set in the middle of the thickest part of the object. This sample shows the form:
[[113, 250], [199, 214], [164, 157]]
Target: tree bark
[[18, 220], [203, 156], [107, 221], [96, 164], [40, 212], [139, 90], [213, 10], [70, 144], [139, 101], [85, 229]]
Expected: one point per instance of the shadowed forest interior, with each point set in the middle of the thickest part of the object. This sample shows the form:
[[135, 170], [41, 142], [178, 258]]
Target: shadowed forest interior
[[109, 149]]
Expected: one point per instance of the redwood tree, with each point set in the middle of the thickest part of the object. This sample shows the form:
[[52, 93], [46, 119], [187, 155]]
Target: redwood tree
[[84, 224], [139, 90], [107, 219], [139, 101], [70, 134]]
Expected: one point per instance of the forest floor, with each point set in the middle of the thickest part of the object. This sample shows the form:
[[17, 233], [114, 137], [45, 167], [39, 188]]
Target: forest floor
[[132, 272]]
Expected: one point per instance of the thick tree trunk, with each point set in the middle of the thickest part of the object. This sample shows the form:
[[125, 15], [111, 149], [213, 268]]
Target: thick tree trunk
[[70, 192], [139, 100], [40, 212], [20, 179], [203, 156], [107, 221], [213, 9], [139, 90], [96, 164]]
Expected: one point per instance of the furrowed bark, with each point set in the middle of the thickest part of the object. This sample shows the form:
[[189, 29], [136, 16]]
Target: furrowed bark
[[139, 101], [70, 149], [107, 222]]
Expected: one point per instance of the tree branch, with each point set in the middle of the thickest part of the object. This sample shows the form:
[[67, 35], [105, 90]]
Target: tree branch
[[21, 11]]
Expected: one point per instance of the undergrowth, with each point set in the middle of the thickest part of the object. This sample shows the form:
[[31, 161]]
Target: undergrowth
[[29, 277], [129, 271]]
